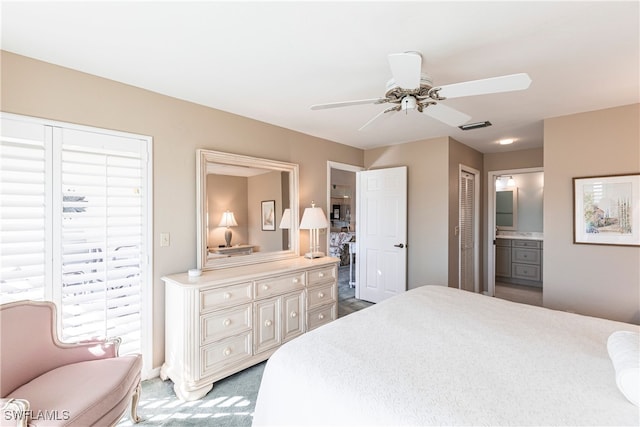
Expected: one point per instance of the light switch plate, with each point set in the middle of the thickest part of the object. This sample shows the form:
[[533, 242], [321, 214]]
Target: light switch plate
[[165, 239]]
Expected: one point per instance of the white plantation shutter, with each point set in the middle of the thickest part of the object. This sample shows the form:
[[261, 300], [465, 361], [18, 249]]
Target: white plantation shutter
[[25, 223], [90, 217], [102, 235]]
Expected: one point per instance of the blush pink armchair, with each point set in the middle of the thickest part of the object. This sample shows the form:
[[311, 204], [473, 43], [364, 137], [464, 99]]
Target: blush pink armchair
[[46, 382]]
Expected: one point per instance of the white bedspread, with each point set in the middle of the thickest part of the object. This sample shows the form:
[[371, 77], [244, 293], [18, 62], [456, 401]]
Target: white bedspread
[[440, 356]]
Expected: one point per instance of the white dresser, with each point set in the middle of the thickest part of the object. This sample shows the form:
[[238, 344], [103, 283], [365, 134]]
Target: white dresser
[[229, 319]]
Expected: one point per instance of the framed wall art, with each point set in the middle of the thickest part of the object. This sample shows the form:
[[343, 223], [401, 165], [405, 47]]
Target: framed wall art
[[606, 210], [268, 216]]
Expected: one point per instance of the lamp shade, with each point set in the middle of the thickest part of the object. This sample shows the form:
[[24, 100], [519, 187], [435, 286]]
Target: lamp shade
[[228, 220], [285, 223], [313, 218]]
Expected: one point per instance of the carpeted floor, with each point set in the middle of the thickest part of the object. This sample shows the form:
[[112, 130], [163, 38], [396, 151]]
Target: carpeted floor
[[232, 400]]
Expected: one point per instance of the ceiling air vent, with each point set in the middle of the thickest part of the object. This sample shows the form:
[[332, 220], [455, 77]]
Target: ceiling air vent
[[476, 125]]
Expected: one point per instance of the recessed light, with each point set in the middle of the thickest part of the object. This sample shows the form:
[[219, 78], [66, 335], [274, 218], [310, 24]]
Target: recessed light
[[505, 141]]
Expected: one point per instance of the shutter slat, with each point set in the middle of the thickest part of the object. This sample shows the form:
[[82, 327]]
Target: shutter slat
[[23, 217]]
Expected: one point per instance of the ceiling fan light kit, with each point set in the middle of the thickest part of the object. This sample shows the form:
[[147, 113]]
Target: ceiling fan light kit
[[411, 89]]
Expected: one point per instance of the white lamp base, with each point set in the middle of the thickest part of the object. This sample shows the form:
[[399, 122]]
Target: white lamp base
[[312, 255]]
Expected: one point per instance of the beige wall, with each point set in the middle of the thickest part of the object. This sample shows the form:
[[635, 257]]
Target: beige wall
[[428, 198], [460, 154], [521, 159], [601, 281], [262, 188], [178, 128]]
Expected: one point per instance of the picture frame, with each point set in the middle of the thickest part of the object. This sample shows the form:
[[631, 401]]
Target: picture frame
[[606, 210], [268, 215], [335, 212]]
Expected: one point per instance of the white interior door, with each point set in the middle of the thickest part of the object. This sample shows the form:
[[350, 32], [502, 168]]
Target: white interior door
[[382, 233]]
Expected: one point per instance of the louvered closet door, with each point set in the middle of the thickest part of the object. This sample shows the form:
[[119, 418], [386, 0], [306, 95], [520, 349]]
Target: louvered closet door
[[467, 226]]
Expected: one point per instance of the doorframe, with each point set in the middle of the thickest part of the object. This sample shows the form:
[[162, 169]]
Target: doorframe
[[491, 222], [476, 227], [344, 167]]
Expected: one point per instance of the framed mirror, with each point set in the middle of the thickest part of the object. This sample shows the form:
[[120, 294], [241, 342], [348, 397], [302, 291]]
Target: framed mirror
[[241, 202], [507, 208]]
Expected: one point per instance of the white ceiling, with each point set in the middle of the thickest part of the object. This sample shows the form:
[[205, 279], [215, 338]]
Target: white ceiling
[[271, 61]]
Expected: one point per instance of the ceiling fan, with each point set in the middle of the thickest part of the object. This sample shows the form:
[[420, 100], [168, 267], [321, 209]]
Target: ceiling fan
[[410, 89]]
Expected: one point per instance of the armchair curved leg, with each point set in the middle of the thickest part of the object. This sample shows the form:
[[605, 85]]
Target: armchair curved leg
[[134, 404], [17, 409]]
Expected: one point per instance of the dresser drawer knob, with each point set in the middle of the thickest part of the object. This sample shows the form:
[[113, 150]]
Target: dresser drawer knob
[[321, 274], [227, 322], [268, 323], [320, 294], [265, 287], [320, 316], [227, 295], [295, 280], [227, 351], [293, 315]]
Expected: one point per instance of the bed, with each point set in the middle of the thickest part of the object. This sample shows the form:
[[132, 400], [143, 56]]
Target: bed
[[440, 356]]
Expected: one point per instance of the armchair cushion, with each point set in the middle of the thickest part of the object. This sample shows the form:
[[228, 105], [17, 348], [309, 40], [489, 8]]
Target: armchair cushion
[[95, 392], [30, 345], [54, 383]]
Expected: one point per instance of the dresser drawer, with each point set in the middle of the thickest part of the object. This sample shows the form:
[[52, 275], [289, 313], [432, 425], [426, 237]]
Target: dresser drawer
[[526, 244], [217, 356], [320, 295], [216, 298], [279, 285], [527, 256], [525, 271], [223, 324], [320, 316], [322, 275]]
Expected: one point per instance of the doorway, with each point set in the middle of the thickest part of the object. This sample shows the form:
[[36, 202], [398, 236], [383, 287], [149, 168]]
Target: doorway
[[515, 243], [341, 197]]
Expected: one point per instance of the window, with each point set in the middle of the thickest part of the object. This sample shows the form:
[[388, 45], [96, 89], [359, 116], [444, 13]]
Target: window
[[75, 226]]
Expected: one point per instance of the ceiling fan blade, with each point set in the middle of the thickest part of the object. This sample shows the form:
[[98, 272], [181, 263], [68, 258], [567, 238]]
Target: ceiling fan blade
[[388, 110], [508, 83], [445, 114], [349, 103], [406, 68]]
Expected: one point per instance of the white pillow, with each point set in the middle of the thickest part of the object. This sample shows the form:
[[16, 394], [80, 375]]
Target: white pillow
[[624, 351]]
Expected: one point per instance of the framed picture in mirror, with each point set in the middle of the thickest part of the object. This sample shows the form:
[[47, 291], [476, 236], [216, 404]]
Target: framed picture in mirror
[[268, 215]]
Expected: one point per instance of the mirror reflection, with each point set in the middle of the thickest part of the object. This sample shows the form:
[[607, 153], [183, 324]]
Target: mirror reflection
[[245, 204], [242, 202], [507, 209]]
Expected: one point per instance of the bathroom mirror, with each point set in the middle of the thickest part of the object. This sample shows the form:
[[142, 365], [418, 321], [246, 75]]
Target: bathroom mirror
[[507, 208], [240, 205]]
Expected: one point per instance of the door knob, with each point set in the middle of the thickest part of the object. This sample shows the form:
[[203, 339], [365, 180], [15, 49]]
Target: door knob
[[400, 245]]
